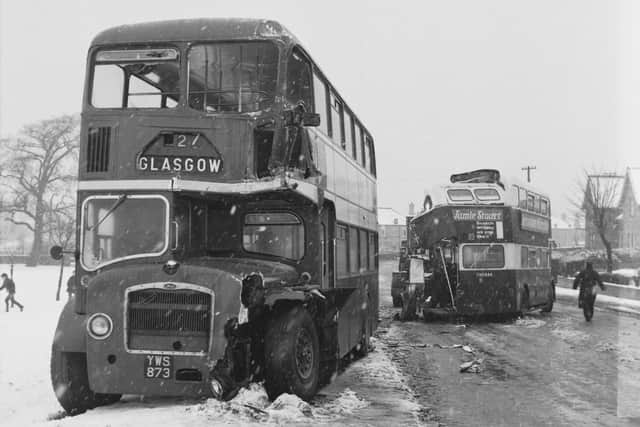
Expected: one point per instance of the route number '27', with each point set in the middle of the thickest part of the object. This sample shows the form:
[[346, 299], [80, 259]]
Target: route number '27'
[[158, 367], [181, 140]]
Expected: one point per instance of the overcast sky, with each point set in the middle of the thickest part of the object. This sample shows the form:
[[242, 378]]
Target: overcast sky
[[444, 86]]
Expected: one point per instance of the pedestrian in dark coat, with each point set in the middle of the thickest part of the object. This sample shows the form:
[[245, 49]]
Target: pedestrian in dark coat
[[587, 278], [10, 286]]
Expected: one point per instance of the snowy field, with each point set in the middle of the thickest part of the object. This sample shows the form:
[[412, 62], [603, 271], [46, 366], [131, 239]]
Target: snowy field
[[371, 391]]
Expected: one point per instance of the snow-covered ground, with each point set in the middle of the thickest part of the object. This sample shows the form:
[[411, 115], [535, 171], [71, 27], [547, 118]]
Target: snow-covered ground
[[619, 304], [371, 391]]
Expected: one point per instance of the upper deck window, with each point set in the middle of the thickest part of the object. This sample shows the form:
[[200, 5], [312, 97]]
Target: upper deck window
[[232, 77], [135, 78], [544, 207], [487, 194], [460, 195], [279, 234], [299, 87]]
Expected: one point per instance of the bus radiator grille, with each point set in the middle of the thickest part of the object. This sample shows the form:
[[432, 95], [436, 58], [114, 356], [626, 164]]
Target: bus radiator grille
[[176, 320]]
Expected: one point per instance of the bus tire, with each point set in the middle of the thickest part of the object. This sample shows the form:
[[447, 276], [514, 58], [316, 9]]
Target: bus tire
[[397, 301], [71, 383], [549, 305], [292, 355], [524, 302]]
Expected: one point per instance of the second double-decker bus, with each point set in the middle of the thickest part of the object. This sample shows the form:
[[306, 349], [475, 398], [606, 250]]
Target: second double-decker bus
[[226, 218], [482, 247]]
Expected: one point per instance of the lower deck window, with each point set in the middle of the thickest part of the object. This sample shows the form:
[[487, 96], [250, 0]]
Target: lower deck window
[[483, 256], [278, 234]]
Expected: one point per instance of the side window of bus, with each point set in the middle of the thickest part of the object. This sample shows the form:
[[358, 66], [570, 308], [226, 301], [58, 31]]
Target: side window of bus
[[353, 250], [342, 254], [533, 255], [373, 250], [373, 156], [524, 257], [357, 144], [299, 80], [274, 233], [545, 259], [364, 255], [337, 120], [539, 262], [536, 204], [544, 207], [348, 133], [522, 198], [320, 103], [530, 202], [368, 154]]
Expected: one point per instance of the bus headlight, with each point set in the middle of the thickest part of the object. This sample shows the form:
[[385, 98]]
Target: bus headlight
[[99, 326]]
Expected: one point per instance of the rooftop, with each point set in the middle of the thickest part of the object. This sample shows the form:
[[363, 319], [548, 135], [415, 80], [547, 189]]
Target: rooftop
[[388, 216]]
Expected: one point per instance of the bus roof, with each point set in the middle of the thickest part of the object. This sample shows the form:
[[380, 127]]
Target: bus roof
[[193, 30]]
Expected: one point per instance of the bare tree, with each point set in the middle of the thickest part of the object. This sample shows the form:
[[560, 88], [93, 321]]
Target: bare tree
[[37, 166], [600, 204]]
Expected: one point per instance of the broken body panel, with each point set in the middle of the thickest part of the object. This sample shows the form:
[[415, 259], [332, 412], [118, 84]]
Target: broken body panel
[[206, 213]]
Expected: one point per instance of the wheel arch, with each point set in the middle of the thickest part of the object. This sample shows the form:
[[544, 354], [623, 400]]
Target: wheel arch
[[70, 335]]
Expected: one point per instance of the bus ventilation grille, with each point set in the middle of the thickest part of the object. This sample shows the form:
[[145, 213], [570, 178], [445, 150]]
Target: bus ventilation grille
[[159, 319], [98, 149]]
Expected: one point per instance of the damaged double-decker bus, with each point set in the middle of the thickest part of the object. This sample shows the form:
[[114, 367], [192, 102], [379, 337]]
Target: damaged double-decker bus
[[479, 247], [226, 218]]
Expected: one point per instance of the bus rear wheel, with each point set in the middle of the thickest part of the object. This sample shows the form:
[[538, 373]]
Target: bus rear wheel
[[292, 355], [548, 306], [71, 383]]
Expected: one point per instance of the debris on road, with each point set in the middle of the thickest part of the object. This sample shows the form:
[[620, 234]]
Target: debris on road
[[472, 366], [448, 346]]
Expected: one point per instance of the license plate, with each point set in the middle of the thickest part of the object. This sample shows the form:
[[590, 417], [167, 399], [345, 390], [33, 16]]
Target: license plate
[[158, 366]]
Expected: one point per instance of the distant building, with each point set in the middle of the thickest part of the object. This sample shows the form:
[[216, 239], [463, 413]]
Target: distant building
[[629, 218], [609, 188], [567, 234], [392, 231]]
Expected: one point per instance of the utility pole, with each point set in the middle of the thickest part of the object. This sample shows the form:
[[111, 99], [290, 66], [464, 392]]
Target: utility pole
[[529, 169]]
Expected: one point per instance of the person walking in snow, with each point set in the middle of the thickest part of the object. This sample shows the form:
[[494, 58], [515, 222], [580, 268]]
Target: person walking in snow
[[587, 278], [10, 286]]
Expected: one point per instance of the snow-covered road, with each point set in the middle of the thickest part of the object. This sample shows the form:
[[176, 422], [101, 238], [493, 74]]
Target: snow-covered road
[[371, 391]]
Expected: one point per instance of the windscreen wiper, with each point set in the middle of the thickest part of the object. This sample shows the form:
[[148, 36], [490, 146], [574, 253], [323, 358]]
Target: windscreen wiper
[[113, 207]]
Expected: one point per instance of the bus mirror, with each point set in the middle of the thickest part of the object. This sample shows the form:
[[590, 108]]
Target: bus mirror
[[311, 119], [56, 252]]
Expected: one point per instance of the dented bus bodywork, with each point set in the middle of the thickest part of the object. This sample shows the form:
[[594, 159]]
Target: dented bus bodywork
[[207, 217]]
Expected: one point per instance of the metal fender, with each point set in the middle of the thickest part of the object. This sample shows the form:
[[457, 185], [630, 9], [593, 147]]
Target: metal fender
[[275, 295], [71, 333]]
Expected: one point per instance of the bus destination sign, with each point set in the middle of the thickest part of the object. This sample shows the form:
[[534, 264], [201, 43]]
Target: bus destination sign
[[193, 164], [486, 223], [473, 214]]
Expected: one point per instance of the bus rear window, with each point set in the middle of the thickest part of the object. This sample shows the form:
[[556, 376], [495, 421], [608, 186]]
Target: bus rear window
[[136, 78], [487, 194], [460, 195], [278, 234], [232, 77], [483, 256]]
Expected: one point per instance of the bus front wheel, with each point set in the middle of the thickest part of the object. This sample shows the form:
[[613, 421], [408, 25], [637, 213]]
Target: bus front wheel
[[292, 355], [71, 383]]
